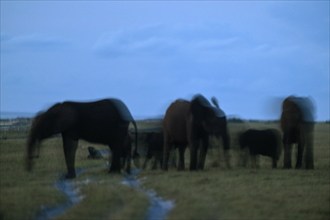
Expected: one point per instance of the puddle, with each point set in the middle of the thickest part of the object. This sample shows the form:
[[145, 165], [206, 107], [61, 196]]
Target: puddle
[[70, 189], [159, 208]]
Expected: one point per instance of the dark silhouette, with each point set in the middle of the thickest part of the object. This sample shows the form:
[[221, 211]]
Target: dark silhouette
[[297, 124], [189, 123], [262, 142], [155, 143], [93, 153], [105, 122]]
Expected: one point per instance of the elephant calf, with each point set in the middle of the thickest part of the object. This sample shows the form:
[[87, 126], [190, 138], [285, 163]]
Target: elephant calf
[[262, 142], [155, 143]]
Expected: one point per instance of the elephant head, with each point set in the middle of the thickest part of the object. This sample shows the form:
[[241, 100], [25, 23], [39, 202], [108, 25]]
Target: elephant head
[[210, 117], [45, 125]]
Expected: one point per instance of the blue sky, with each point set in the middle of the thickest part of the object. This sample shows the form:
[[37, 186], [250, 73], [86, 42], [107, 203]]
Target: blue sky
[[248, 54]]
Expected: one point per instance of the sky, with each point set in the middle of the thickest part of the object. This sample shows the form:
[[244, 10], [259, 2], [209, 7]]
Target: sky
[[248, 54]]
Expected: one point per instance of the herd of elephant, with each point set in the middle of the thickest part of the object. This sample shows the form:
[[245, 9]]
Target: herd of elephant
[[186, 124]]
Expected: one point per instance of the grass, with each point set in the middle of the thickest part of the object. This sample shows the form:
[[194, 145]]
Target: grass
[[245, 193], [215, 193]]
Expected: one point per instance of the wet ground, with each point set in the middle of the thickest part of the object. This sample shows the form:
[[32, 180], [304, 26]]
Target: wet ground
[[72, 193], [158, 209]]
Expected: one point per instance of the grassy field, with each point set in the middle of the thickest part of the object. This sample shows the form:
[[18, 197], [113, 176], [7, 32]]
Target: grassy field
[[215, 193]]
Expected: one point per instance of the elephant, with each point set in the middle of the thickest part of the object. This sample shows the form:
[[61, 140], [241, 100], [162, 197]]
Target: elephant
[[126, 154], [155, 143], [262, 142], [187, 123], [104, 121], [297, 124]]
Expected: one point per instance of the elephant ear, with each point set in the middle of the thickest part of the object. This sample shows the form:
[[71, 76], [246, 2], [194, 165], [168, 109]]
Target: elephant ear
[[219, 113], [215, 102], [305, 106], [200, 107]]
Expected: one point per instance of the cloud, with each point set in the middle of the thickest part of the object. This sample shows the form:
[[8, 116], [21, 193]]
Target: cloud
[[163, 40], [32, 42]]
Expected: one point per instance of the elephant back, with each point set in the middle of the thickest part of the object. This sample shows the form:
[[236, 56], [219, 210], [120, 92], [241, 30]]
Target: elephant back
[[122, 109], [298, 108]]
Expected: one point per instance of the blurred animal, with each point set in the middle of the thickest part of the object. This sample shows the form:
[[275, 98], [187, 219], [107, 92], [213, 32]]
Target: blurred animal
[[105, 122], [297, 124], [155, 143], [262, 142], [126, 155], [189, 123], [93, 153]]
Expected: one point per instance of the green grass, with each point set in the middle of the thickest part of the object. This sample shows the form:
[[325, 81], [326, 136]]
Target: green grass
[[215, 193], [23, 194], [246, 193]]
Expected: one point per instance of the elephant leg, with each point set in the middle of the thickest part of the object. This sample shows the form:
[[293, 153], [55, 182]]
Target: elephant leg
[[181, 157], [193, 155], [128, 160], [300, 155], [145, 163], [227, 158], [115, 163], [154, 163], [166, 154], [159, 159], [257, 161], [274, 163], [173, 157], [70, 147], [244, 155], [253, 161], [287, 155], [225, 140], [202, 153], [309, 154]]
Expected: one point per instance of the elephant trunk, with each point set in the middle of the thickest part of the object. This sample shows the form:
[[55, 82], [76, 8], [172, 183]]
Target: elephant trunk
[[32, 152], [33, 144]]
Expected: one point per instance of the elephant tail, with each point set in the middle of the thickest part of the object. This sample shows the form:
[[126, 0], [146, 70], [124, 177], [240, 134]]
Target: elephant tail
[[135, 153]]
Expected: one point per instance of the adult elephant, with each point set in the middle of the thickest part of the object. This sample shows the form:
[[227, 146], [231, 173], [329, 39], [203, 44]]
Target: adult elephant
[[189, 123], [105, 122], [297, 124]]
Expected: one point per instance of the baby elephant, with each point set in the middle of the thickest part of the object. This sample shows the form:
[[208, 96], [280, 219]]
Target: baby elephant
[[155, 143], [262, 142]]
